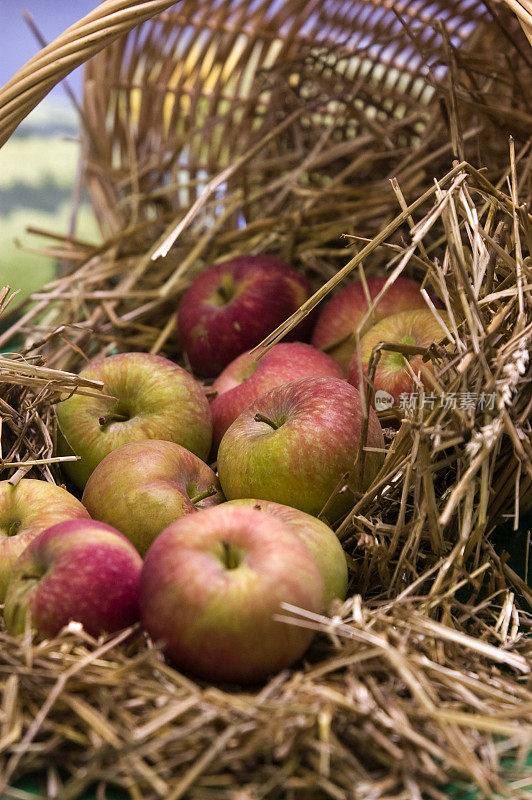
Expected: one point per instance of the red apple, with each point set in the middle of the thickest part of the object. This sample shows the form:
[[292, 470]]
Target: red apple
[[25, 511], [419, 328], [295, 444], [233, 305], [211, 585], [79, 570], [249, 376], [320, 539], [155, 399], [337, 322], [144, 486]]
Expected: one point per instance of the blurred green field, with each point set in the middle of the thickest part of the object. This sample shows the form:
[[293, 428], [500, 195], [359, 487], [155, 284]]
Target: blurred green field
[[38, 167]]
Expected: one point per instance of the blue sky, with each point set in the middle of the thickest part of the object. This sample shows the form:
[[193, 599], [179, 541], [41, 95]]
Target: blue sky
[[17, 42]]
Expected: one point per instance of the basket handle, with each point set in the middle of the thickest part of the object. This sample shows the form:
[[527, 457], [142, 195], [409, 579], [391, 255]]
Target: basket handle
[[109, 20]]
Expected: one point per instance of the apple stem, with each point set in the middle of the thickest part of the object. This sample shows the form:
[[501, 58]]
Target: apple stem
[[207, 493], [226, 289], [263, 418], [114, 417], [13, 528], [30, 576], [232, 561]]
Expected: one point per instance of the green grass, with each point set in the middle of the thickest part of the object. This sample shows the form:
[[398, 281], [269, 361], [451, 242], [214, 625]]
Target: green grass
[[25, 271], [37, 171]]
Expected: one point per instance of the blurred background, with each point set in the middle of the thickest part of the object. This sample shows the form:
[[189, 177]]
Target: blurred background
[[38, 165]]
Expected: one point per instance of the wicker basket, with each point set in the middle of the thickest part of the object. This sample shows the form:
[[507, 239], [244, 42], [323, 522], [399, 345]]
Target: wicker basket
[[190, 93]]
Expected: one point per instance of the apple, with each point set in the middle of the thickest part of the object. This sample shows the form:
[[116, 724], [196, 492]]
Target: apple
[[154, 399], [296, 443], [25, 511], [249, 376], [335, 327], [318, 537], [233, 305], [211, 586], [142, 487], [78, 570], [419, 328]]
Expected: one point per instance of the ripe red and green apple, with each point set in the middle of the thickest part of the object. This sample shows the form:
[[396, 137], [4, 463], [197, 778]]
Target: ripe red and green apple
[[154, 399], [252, 374], [142, 487], [296, 443], [233, 305], [335, 327], [27, 509], [419, 328], [211, 586], [318, 537], [78, 570]]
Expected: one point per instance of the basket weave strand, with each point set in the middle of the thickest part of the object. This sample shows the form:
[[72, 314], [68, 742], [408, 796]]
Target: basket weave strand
[[193, 90], [523, 11]]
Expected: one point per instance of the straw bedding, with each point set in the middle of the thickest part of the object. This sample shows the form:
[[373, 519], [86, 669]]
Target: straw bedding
[[422, 677]]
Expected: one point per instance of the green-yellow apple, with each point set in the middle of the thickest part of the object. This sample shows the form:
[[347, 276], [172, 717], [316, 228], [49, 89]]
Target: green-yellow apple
[[296, 443], [142, 487], [419, 328], [336, 324], [318, 537], [155, 399], [233, 305], [249, 376], [79, 570], [211, 586], [27, 509]]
